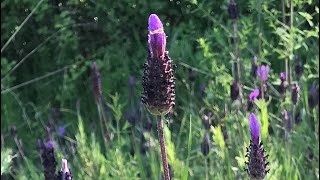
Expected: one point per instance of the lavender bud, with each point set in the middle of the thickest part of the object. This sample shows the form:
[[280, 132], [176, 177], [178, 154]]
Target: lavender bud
[[158, 79], [192, 75], [312, 97], [206, 120], [233, 10], [257, 161], [254, 67], [234, 90], [252, 97], [65, 172], [205, 145], [263, 72], [61, 130], [295, 93], [157, 37], [49, 161], [283, 84], [298, 118], [96, 79], [14, 131], [298, 66]]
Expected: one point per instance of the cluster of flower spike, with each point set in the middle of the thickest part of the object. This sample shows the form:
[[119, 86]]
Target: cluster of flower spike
[[158, 79], [257, 160]]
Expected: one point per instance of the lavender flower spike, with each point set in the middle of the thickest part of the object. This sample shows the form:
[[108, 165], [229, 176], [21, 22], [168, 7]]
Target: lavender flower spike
[[257, 160], [253, 95], [254, 129], [263, 72], [312, 97], [157, 37]]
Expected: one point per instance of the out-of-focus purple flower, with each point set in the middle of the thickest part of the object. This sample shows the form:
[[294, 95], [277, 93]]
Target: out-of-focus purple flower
[[49, 145], [312, 97], [157, 37], [61, 130], [254, 67], [283, 76], [202, 89], [233, 10], [131, 81], [254, 95], [192, 75], [96, 79], [263, 72], [283, 84], [295, 93], [205, 145], [254, 129], [234, 91], [298, 66]]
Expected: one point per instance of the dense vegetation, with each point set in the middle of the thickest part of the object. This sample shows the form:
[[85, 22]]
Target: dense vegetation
[[47, 51]]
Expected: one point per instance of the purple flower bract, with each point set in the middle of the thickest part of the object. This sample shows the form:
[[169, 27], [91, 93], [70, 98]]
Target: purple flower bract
[[254, 129], [157, 37]]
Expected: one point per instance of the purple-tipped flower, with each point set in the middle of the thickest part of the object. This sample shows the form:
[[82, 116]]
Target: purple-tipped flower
[[295, 93], [298, 66], [205, 145], [158, 79], [96, 78], [254, 67], [235, 87], [49, 161], [233, 10], [61, 130], [65, 172], [257, 161], [263, 72], [254, 129], [283, 84], [283, 76], [312, 100], [254, 95], [157, 37]]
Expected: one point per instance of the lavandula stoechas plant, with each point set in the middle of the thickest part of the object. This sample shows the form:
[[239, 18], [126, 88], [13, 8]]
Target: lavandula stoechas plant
[[234, 16], [257, 160], [65, 172], [283, 84], [312, 97], [158, 81], [97, 91], [263, 72]]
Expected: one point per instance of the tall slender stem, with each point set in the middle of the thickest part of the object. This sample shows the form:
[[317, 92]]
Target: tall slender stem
[[163, 149]]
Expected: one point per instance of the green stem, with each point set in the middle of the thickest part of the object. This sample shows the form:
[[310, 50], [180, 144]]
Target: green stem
[[163, 149]]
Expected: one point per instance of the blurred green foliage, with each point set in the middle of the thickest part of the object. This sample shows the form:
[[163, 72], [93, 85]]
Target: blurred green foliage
[[46, 81]]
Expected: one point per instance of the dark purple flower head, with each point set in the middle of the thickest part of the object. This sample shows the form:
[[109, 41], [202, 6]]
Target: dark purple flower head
[[61, 130], [253, 95], [233, 10], [131, 81], [205, 145], [312, 99], [254, 129], [96, 78], [234, 90], [283, 76], [157, 37], [295, 93], [263, 72], [254, 67]]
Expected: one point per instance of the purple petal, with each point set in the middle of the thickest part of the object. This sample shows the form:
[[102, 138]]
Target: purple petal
[[154, 23], [61, 130], [254, 94], [312, 90], [64, 167], [254, 129], [49, 145], [283, 76], [157, 37]]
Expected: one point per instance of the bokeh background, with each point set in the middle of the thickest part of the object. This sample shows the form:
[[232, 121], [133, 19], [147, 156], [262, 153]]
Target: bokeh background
[[47, 50]]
